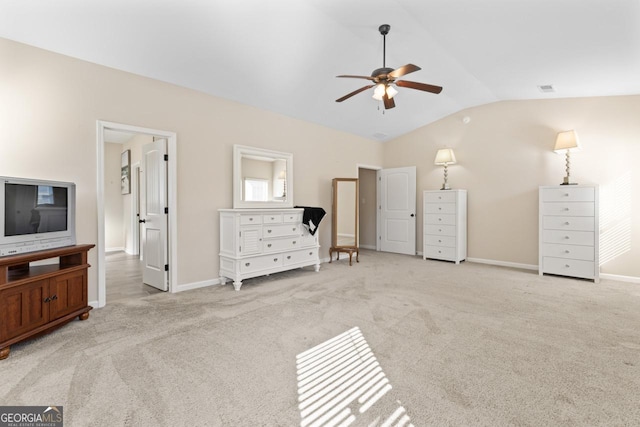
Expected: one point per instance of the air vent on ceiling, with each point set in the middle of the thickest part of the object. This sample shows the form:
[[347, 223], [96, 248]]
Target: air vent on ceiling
[[546, 88], [380, 135]]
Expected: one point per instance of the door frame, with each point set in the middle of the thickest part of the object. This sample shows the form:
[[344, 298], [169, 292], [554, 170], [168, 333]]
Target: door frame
[[375, 168], [172, 192]]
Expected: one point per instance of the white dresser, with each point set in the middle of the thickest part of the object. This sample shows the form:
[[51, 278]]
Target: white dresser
[[569, 231], [445, 225], [256, 242]]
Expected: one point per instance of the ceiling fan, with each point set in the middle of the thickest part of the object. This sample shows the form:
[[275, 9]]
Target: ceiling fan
[[384, 78]]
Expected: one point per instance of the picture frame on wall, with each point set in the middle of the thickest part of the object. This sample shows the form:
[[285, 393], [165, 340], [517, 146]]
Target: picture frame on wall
[[125, 172]]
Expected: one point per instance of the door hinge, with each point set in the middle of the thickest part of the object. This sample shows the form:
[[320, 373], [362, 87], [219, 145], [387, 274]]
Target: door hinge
[[166, 210], [166, 157], [166, 267]]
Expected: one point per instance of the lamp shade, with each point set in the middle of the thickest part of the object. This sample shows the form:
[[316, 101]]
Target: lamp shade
[[445, 156], [566, 141]]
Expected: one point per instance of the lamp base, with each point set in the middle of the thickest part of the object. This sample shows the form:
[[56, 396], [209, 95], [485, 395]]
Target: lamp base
[[445, 187], [566, 181]]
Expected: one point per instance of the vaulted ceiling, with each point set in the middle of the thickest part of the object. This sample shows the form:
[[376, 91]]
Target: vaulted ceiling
[[283, 55]]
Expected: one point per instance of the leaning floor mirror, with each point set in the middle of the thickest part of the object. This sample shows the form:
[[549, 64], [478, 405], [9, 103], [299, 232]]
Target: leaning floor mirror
[[262, 178], [344, 234]]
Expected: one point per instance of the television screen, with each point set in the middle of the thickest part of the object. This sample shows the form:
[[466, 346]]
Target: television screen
[[34, 209]]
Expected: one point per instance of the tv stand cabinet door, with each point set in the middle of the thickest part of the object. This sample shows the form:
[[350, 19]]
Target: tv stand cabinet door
[[23, 308], [68, 293]]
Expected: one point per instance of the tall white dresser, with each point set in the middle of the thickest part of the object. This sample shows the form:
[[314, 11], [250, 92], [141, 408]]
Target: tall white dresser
[[445, 225], [569, 231], [257, 242]]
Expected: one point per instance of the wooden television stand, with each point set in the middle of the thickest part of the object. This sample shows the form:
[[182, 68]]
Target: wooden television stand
[[36, 299]]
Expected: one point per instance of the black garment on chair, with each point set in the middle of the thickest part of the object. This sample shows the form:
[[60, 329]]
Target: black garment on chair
[[311, 217]]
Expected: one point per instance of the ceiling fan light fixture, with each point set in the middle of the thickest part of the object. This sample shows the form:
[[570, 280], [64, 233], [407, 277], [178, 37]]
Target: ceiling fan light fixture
[[378, 92], [391, 91]]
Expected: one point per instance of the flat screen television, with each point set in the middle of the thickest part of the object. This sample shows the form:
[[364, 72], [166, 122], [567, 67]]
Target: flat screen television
[[36, 215]]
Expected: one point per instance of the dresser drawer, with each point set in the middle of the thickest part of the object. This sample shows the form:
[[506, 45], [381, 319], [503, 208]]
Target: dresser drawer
[[272, 219], [569, 267], [568, 209], [438, 208], [440, 230], [568, 194], [432, 240], [585, 253], [260, 263], [440, 252], [444, 196], [279, 245], [292, 217], [250, 219], [281, 230], [585, 238], [305, 255], [443, 219], [580, 223]]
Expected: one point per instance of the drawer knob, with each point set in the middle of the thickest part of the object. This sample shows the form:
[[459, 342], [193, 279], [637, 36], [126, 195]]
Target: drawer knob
[[275, 260], [247, 264], [439, 241], [269, 245], [567, 265], [268, 231], [439, 252], [272, 218], [567, 251], [566, 194], [294, 242], [566, 209], [294, 228], [566, 223], [439, 219], [289, 257], [566, 237], [439, 209], [440, 230], [250, 219], [310, 253]]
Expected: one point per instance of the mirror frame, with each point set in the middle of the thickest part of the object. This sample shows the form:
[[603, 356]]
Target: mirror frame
[[240, 151], [335, 215]]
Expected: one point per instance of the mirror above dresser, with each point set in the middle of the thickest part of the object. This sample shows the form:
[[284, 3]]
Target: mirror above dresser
[[262, 178]]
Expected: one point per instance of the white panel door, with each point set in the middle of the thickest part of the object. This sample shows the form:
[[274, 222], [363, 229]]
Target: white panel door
[[397, 209], [154, 218]]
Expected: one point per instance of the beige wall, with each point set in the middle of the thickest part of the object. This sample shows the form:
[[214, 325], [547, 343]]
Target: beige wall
[[49, 105], [113, 217], [505, 152]]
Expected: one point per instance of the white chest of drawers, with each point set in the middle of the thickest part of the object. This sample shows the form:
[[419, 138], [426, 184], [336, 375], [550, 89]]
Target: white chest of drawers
[[445, 225], [569, 231], [257, 242]]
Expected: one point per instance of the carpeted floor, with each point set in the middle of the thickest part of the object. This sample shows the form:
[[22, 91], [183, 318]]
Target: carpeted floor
[[467, 345]]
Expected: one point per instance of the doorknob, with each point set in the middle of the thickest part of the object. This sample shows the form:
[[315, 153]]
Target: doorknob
[[412, 215], [142, 221]]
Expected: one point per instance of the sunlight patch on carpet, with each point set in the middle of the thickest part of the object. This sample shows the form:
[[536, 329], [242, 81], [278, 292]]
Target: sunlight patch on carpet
[[340, 380]]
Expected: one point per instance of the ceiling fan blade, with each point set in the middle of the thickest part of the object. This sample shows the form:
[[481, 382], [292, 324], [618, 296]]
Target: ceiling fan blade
[[355, 92], [420, 86], [357, 77], [405, 69], [388, 102]]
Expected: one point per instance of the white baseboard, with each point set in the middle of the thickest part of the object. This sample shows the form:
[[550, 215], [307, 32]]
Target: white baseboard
[[197, 285], [94, 304], [630, 279], [106, 250], [503, 263]]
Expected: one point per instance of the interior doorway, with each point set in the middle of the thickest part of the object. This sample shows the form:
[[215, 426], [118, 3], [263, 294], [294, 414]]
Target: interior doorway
[[133, 242]]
